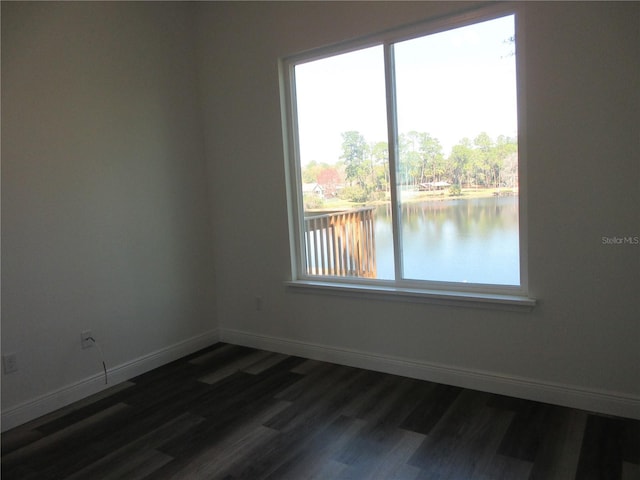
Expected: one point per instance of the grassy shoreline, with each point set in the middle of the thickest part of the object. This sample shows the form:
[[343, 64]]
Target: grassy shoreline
[[419, 196]]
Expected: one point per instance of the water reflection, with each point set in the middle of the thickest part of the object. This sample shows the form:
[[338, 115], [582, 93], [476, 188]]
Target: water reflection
[[457, 240]]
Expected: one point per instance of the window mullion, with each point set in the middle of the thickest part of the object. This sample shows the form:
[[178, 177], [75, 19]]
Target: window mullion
[[392, 133]]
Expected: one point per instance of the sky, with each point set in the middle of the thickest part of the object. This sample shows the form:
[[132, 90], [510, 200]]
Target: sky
[[451, 85]]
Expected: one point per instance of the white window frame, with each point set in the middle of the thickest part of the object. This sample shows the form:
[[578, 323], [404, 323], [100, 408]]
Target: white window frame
[[450, 293]]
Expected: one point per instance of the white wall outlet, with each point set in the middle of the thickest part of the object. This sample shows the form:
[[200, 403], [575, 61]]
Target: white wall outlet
[[10, 362], [85, 339]]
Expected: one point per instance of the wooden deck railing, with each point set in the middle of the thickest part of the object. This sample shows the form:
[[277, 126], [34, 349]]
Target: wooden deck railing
[[341, 243]]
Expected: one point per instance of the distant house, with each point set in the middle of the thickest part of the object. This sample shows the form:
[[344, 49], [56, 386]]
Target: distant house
[[313, 189], [434, 185]]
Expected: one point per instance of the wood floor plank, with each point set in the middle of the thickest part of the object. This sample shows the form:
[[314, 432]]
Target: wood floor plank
[[229, 368], [559, 452], [308, 366], [135, 426], [242, 390], [46, 449], [310, 459], [431, 408], [234, 402], [45, 422], [311, 403], [329, 469], [484, 441], [602, 449], [630, 471], [371, 442], [269, 360], [376, 387], [277, 417], [465, 440], [387, 455], [630, 441], [399, 403], [139, 457], [209, 448], [216, 429], [18, 439], [223, 456], [130, 464], [501, 467], [214, 355], [298, 430], [317, 378], [525, 433]]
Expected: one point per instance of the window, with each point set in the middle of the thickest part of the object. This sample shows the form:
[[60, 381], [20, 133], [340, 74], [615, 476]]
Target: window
[[404, 162]]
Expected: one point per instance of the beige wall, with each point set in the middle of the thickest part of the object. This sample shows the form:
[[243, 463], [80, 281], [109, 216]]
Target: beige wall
[[105, 218], [582, 79]]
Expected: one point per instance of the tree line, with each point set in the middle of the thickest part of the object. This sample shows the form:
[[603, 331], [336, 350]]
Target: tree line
[[362, 173]]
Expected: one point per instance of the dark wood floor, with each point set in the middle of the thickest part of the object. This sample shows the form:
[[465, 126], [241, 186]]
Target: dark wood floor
[[231, 412]]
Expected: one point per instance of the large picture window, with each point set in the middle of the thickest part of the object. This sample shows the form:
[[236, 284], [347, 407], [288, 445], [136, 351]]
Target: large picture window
[[404, 159]]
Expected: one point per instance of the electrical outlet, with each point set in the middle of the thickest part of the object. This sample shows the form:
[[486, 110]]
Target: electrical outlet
[[85, 339], [258, 303], [10, 362]]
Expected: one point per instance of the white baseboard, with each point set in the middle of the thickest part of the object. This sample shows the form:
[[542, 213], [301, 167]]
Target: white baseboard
[[27, 411], [611, 403]]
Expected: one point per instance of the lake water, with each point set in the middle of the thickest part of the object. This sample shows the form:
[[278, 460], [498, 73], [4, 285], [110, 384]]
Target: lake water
[[455, 240]]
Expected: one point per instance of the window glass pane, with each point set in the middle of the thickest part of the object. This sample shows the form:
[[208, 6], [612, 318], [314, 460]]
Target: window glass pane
[[343, 154], [458, 159]]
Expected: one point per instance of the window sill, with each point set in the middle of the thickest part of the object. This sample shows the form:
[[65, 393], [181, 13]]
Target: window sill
[[436, 297]]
